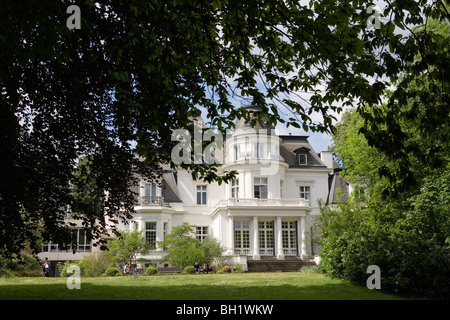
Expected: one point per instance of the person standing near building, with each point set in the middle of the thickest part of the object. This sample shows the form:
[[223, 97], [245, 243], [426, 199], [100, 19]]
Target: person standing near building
[[46, 266]]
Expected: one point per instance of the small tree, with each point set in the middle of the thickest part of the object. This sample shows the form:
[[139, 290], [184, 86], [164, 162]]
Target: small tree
[[127, 247], [182, 247], [212, 248], [93, 265]]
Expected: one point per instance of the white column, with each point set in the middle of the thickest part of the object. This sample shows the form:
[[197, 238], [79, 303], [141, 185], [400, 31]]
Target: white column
[[159, 232], [299, 237], [280, 254], [308, 236], [256, 255], [231, 234]]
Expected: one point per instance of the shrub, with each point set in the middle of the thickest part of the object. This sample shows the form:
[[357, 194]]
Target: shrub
[[62, 267], [112, 272], [29, 273], [226, 269], [21, 265], [151, 271], [238, 268], [189, 270], [407, 239], [5, 273], [93, 265]]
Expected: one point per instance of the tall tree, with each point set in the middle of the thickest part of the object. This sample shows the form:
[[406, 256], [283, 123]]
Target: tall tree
[[137, 70], [413, 128]]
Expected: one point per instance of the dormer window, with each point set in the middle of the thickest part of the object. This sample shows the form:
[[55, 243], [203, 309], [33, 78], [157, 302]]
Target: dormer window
[[303, 159], [302, 156]]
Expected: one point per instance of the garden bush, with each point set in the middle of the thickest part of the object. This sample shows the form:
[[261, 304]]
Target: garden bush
[[408, 240], [238, 268], [226, 269], [189, 270], [112, 272], [21, 265], [62, 267], [151, 271]]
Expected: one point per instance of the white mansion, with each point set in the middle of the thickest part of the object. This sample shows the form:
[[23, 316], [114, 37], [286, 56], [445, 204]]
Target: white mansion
[[267, 210]]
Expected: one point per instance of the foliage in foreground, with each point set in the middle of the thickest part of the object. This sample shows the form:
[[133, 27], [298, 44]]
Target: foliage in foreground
[[409, 241], [407, 234]]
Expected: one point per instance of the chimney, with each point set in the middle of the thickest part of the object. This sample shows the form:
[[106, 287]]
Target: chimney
[[327, 159]]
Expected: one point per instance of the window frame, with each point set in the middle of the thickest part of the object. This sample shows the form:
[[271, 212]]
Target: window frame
[[234, 188], [202, 191], [259, 186], [306, 192], [201, 232], [305, 159], [150, 234]]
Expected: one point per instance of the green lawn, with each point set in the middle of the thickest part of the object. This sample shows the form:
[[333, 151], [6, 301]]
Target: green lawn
[[244, 286]]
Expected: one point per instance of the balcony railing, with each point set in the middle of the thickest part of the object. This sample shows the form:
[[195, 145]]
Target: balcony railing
[[157, 201], [250, 202]]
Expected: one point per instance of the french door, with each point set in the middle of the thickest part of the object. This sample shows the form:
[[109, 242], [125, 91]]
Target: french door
[[266, 243], [289, 237]]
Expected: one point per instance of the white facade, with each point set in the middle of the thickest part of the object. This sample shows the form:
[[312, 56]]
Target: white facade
[[266, 211]]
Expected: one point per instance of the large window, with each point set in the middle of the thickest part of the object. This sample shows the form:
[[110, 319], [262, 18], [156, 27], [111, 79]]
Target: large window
[[150, 234], [150, 193], [80, 237], [265, 229], [289, 237], [235, 188], [83, 240], [260, 188], [201, 195], [305, 192], [241, 237], [201, 233]]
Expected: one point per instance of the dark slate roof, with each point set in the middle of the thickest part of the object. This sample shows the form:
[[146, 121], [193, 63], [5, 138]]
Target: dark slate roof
[[169, 189], [289, 145], [338, 189]]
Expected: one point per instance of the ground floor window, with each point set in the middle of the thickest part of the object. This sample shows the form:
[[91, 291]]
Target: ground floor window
[[241, 237]]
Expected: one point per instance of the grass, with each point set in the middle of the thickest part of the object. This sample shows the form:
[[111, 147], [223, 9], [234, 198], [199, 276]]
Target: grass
[[236, 286]]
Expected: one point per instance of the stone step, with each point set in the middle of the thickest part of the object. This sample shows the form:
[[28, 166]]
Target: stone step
[[278, 265]]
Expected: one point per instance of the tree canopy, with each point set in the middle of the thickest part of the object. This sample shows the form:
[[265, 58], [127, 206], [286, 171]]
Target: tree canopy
[[137, 70]]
